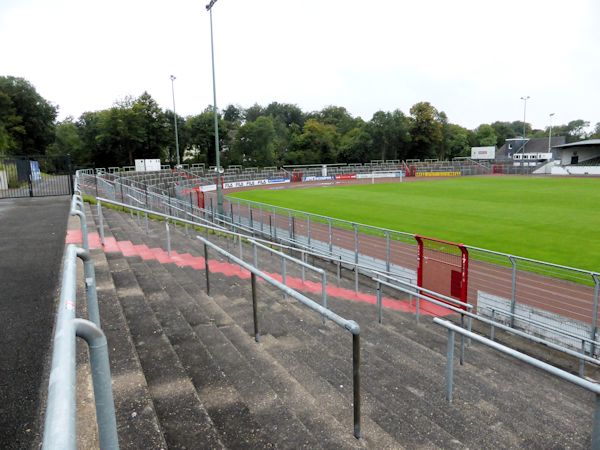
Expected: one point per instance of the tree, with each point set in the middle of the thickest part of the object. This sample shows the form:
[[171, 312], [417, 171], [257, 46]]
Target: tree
[[390, 135], [425, 130], [457, 141], [485, 136], [356, 146], [338, 116], [254, 143], [285, 113], [69, 142], [316, 144], [254, 112], [26, 118]]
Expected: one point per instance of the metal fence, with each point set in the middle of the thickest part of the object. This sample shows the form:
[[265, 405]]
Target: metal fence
[[560, 296], [555, 296], [35, 176]]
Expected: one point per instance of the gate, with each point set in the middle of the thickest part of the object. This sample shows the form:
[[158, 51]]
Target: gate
[[35, 176]]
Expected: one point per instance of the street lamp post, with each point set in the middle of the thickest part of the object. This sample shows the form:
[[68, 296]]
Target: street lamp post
[[175, 119], [550, 135], [524, 112], [218, 158]]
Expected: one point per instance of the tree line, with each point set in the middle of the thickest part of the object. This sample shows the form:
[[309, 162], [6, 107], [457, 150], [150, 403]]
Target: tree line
[[272, 135]]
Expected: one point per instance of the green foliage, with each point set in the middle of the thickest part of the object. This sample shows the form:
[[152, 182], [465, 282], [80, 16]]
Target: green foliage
[[26, 118], [426, 130], [485, 136], [254, 143], [316, 144]]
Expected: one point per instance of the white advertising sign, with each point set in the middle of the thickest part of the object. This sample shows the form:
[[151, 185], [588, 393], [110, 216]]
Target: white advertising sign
[[483, 152]]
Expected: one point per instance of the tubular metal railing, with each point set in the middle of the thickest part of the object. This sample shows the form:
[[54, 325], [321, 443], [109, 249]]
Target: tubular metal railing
[[583, 358], [585, 384], [346, 324], [250, 228], [61, 410]]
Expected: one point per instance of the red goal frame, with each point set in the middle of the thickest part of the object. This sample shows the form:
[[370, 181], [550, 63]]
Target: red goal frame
[[443, 267]]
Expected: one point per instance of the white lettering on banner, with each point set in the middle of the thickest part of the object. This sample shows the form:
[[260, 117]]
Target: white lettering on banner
[[319, 178], [240, 184], [208, 188], [380, 175]]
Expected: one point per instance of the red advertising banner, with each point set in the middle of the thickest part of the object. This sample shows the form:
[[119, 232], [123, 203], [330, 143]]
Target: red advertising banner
[[346, 176]]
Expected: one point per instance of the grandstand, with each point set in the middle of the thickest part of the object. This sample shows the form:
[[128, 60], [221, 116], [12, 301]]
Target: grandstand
[[203, 354]]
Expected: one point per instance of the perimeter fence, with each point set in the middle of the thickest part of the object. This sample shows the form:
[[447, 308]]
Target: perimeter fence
[[517, 291]]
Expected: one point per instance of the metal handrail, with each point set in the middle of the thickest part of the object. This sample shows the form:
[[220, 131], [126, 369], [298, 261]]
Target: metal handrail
[[61, 410], [365, 268], [541, 325], [462, 312], [585, 384], [349, 325]]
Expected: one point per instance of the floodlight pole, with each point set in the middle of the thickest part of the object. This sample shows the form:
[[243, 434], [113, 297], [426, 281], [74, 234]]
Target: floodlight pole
[[218, 158], [524, 112], [175, 119], [550, 135]]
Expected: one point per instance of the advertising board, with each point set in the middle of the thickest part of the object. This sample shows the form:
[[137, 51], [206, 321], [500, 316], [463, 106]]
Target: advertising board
[[483, 152]]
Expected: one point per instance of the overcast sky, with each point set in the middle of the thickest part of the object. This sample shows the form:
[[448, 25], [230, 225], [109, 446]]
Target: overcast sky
[[471, 59]]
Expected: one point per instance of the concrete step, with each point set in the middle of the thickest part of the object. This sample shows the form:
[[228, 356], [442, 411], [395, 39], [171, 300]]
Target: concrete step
[[183, 419], [137, 423], [266, 414]]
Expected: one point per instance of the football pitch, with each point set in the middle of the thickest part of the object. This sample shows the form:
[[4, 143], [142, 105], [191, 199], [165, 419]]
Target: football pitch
[[549, 219]]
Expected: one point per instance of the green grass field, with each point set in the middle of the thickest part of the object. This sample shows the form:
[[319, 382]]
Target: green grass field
[[550, 219]]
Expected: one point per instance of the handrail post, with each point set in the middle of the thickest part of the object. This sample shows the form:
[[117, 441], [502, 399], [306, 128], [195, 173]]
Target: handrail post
[[206, 268], [323, 290], [168, 237], [594, 329], [101, 220], [450, 365], [339, 270], [355, 243], [303, 258], [356, 382], [146, 223], [462, 341], [254, 307], [596, 428], [330, 236], [379, 308], [308, 228], [417, 309], [90, 286], [387, 251], [581, 360], [492, 328], [513, 300], [255, 254], [101, 379]]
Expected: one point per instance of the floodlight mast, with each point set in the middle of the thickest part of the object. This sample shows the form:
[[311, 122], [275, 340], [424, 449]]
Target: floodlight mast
[[524, 112], [218, 158], [175, 119], [550, 135]]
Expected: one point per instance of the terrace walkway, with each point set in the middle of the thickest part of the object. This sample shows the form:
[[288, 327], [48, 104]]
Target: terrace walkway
[[32, 239]]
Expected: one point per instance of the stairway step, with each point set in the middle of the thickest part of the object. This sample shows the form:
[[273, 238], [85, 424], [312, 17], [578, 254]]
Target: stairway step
[[137, 423], [266, 432], [183, 419]]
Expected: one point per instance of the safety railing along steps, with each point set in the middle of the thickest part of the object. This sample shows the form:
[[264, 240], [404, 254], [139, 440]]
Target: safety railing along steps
[[512, 398], [60, 429], [110, 213]]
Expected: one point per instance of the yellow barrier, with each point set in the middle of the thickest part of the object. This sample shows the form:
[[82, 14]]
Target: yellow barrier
[[437, 174]]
